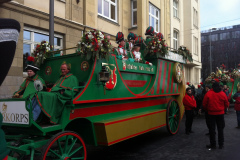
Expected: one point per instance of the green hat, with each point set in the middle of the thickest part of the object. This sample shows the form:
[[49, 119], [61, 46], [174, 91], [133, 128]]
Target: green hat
[[138, 41], [119, 37], [150, 31], [131, 36], [160, 35]]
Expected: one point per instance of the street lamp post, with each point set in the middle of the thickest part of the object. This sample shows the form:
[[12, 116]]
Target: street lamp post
[[210, 59]]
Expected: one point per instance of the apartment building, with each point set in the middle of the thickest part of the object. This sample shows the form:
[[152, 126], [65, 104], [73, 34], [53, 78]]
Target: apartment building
[[177, 20]]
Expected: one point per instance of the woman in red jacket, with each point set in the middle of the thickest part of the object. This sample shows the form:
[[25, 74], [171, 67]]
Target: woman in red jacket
[[215, 102], [189, 103]]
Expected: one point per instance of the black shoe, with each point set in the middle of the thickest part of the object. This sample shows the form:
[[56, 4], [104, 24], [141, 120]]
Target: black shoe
[[191, 132], [187, 133], [221, 146], [207, 134], [211, 146]]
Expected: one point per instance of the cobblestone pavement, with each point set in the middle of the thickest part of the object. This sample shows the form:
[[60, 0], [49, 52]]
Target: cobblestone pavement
[[159, 144]]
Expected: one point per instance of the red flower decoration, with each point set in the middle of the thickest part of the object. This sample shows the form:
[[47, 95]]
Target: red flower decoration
[[216, 80], [201, 83], [199, 86], [188, 83], [30, 58]]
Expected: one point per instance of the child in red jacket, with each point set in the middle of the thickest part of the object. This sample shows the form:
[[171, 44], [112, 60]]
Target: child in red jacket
[[189, 103]]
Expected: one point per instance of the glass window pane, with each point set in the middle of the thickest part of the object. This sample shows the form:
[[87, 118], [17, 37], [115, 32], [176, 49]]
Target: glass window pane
[[113, 12], [100, 6], [156, 13], [152, 22], [157, 30], [152, 10], [149, 20], [57, 41], [135, 18], [26, 49], [134, 4], [40, 37], [106, 9], [26, 35]]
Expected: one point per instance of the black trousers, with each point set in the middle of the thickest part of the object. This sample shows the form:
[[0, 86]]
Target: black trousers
[[189, 120], [219, 121], [207, 119]]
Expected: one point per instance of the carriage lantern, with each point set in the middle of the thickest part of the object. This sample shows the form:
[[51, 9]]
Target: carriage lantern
[[103, 75]]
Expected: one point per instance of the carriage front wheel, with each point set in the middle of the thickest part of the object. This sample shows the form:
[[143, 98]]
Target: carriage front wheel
[[173, 116], [65, 146]]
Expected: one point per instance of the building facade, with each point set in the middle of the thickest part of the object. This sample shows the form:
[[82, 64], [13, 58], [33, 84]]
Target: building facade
[[185, 31], [175, 19], [224, 45]]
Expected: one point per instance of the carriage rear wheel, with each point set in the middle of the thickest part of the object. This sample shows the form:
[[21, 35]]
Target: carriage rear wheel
[[65, 146], [173, 116]]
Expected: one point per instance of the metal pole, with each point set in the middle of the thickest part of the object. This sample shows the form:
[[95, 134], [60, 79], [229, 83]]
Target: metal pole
[[51, 22], [210, 52]]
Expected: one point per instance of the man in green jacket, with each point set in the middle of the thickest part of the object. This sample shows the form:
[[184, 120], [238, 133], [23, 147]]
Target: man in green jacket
[[27, 89], [52, 102]]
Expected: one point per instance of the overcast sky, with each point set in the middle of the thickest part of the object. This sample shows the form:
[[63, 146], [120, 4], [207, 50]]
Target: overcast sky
[[219, 13]]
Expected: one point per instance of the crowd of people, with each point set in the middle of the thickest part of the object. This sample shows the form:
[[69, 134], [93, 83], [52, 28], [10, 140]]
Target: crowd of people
[[212, 100]]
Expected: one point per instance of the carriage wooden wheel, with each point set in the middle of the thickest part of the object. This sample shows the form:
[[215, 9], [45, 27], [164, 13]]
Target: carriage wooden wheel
[[173, 116], [65, 146]]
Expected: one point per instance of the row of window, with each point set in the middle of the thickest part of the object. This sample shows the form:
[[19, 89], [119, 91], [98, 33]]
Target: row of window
[[220, 36]]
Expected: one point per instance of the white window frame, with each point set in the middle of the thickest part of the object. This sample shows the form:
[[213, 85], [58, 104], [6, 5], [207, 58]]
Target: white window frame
[[109, 7], [175, 9], [133, 10], [195, 45], [175, 39], [195, 17], [156, 18]]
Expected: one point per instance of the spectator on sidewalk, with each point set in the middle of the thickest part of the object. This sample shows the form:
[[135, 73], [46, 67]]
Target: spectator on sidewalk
[[215, 102], [236, 96], [226, 91], [189, 103]]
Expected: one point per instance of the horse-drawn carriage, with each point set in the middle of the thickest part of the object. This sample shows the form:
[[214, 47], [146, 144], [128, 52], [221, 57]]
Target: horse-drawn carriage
[[116, 100]]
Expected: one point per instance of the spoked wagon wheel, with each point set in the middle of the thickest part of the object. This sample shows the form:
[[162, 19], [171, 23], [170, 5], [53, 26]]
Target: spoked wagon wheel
[[173, 116], [65, 145]]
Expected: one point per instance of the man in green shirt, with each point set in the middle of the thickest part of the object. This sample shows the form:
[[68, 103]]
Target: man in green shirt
[[52, 102]]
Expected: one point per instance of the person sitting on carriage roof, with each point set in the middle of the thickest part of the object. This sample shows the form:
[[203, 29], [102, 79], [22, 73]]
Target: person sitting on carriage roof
[[120, 51], [136, 51], [52, 102], [129, 44], [27, 87]]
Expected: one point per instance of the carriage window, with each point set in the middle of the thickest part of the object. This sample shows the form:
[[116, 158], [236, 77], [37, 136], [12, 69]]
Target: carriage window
[[32, 37]]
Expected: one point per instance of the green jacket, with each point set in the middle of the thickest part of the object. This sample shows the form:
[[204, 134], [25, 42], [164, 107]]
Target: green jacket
[[3, 145], [52, 102], [27, 87]]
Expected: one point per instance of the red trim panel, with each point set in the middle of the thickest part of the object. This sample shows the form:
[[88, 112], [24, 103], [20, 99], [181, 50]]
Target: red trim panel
[[135, 83], [99, 110], [119, 140], [114, 99]]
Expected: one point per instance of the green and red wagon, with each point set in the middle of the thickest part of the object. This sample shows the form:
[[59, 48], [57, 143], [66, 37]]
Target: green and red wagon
[[137, 98]]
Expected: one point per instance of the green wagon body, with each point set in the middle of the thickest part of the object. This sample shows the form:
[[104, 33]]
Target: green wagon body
[[137, 99]]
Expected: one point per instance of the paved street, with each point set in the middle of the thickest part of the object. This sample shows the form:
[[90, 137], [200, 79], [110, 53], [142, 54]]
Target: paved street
[[158, 144]]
